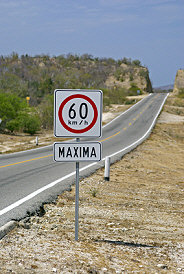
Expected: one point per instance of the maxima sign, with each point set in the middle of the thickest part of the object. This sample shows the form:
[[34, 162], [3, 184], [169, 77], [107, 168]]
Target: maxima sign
[[77, 151], [77, 113]]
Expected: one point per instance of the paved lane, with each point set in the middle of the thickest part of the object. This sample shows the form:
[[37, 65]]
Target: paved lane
[[28, 179]]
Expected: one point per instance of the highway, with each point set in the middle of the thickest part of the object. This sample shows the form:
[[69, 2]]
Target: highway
[[30, 178]]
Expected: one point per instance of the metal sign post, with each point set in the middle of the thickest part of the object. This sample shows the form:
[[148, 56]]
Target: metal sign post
[[77, 113], [77, 199]]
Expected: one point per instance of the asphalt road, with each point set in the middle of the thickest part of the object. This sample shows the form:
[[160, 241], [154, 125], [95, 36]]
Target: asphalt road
[[29, 179]]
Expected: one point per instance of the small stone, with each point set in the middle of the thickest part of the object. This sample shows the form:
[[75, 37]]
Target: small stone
[[162, 266], [54, 270]]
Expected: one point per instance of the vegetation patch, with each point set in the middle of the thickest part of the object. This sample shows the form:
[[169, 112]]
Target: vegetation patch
[[181, 93], [36, 78]]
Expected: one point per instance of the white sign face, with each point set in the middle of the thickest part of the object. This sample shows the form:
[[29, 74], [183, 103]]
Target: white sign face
[[77, 152], [78, 113]]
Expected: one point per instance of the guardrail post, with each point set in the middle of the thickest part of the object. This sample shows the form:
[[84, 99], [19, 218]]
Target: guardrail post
[[36, 140], [107, 169]]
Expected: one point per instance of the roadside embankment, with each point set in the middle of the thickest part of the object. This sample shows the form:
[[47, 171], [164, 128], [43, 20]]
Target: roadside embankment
[[131, 224]]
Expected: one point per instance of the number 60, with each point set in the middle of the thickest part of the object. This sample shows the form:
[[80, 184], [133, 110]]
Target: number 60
[[83, 111]]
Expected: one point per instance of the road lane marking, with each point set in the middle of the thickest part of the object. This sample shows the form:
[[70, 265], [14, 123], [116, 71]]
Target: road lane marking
[[127, 110], [27, 161], [110, 137], [35, 193]]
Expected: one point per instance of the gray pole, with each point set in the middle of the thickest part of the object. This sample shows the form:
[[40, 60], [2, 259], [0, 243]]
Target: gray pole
[[77, 199]]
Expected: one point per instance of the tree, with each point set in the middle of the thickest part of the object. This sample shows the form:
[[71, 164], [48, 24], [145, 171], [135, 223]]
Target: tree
[[136, 63], [10, 107], [46, 110], [16, 115]]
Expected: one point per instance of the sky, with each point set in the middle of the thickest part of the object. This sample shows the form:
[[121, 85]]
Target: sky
[[151, 31]]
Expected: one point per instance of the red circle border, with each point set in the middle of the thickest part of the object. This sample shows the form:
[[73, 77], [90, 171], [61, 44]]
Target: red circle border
[[82, 96]]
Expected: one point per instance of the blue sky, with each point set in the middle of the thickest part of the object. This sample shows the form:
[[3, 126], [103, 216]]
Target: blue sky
[[149, 30]]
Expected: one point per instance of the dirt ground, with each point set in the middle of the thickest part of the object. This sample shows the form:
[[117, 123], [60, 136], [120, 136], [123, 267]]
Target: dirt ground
[[131, 224]]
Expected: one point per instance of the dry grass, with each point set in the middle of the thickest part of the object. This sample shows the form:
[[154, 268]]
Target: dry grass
[[20, 142], [131, 224], [174, 105]]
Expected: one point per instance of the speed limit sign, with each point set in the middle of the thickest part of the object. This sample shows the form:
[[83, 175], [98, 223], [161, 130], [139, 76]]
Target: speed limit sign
[[77, 113]]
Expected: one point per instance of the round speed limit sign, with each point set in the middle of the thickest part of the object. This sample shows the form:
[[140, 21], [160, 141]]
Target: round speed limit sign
[[78, 113]]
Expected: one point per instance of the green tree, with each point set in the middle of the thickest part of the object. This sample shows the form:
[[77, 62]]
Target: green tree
[[16, 115], [136, 63], [10, 107]]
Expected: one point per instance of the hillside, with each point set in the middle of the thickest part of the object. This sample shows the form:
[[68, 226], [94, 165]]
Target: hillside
[[40, 75], [128, 76], [36, 78]]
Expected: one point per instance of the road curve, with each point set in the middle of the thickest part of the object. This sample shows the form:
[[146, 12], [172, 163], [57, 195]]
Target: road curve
[[30, 178]]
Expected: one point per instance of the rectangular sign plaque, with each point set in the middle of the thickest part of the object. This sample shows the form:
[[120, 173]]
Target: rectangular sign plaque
[[77, 151]]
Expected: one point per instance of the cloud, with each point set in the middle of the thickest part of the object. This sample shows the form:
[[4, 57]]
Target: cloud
[[17, 9]]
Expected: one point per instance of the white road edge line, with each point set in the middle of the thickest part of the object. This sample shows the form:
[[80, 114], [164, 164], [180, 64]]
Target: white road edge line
[[35, 193], [127, 110]]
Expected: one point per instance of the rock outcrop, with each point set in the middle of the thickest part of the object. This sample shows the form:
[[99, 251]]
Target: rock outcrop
[[129, 78], [179, 81]]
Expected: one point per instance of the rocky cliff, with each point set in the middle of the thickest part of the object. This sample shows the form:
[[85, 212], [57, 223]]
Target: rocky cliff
[[130, 78], [179, 81]]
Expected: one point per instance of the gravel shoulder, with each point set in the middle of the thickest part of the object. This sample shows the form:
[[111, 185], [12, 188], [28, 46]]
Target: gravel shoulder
[[131, 224]]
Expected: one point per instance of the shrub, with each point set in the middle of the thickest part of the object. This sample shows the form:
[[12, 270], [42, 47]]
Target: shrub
[[178, 102], [131, 77], [106, 102], [133, 90], [29, 123], [136, 63], [181, 93], [13, 125], [143, 73], [46, 110], [129, 102]]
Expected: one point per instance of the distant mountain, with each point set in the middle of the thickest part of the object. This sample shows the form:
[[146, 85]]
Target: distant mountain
[[165, 88]]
